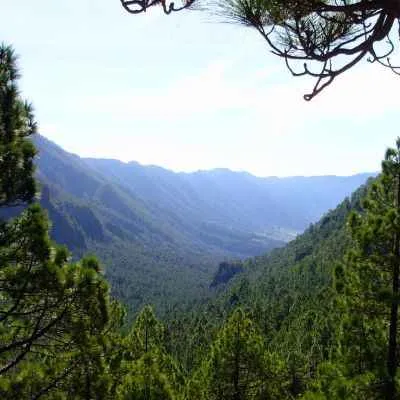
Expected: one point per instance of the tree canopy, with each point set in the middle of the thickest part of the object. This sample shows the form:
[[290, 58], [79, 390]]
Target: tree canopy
[[17, 184], [317, 319], [318, 38], [53, 313]]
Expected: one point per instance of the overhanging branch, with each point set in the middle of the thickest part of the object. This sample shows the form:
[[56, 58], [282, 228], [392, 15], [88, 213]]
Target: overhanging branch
[[336, 34]]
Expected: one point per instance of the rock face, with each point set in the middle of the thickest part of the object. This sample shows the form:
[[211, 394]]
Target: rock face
[[226, 271]]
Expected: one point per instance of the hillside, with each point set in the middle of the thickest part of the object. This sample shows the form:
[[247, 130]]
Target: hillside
[[289, 294], [234, 199], [299, 272], [162, 234], [139, 213]]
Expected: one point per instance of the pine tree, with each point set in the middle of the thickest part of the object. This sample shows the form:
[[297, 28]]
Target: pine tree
[[239, 366], [17, 184], [373, 277], [53, 313], [321, 39], [149, 372]]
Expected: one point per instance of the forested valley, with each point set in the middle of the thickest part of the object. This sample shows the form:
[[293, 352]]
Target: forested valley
[[162, 235], [312, 316]]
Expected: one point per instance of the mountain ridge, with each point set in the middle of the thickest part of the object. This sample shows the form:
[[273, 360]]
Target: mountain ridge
[[234, 188], [225, 169], [157, 231]]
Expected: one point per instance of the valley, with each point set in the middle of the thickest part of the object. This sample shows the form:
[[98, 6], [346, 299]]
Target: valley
[[175, 274], [161, 235]]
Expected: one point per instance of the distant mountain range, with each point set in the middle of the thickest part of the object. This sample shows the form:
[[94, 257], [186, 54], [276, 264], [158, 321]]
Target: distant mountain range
[[161, 234], [237, 200]]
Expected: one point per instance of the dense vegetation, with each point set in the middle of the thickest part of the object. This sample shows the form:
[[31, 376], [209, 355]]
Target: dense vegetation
[[317, 319], [161, 234]]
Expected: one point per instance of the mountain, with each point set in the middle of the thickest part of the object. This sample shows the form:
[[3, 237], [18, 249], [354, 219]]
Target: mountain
[[234, 199], [139, 213], [290, 291], [162, 234], [292, 297], [303, 269]]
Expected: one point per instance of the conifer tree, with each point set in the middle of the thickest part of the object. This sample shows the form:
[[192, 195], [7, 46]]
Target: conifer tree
[[53, 313], [17, 184], [317, 38], [239, 366], [373, 288], [149, 372]]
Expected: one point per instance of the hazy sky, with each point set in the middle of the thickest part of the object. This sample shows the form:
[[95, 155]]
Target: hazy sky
[[188, 93]]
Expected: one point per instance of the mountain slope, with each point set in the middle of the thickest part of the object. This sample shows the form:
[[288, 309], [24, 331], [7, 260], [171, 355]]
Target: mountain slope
[[149, 255], [235, 199], [161, 234], [289, 293]]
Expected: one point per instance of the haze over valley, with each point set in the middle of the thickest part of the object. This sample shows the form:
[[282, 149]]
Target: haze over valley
[[199, 210], [160, 232]]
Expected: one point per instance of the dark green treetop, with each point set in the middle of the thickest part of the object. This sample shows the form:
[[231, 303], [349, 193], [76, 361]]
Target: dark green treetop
[[17, 184], [53, 313]]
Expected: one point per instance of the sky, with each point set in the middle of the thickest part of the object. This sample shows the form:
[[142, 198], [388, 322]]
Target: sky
[[188, 92]]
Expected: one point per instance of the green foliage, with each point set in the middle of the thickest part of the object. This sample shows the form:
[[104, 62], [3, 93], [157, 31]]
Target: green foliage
[[239, 366], [315, 320], [226, 271], [149, 372], [53, 313], [332, 382], [372, 280], [16, 125], [318, 38], [290, 300], [161, 234], [146, 382]]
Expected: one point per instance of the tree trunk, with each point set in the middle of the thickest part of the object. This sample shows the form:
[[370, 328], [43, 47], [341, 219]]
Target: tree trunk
[[236, 370]]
